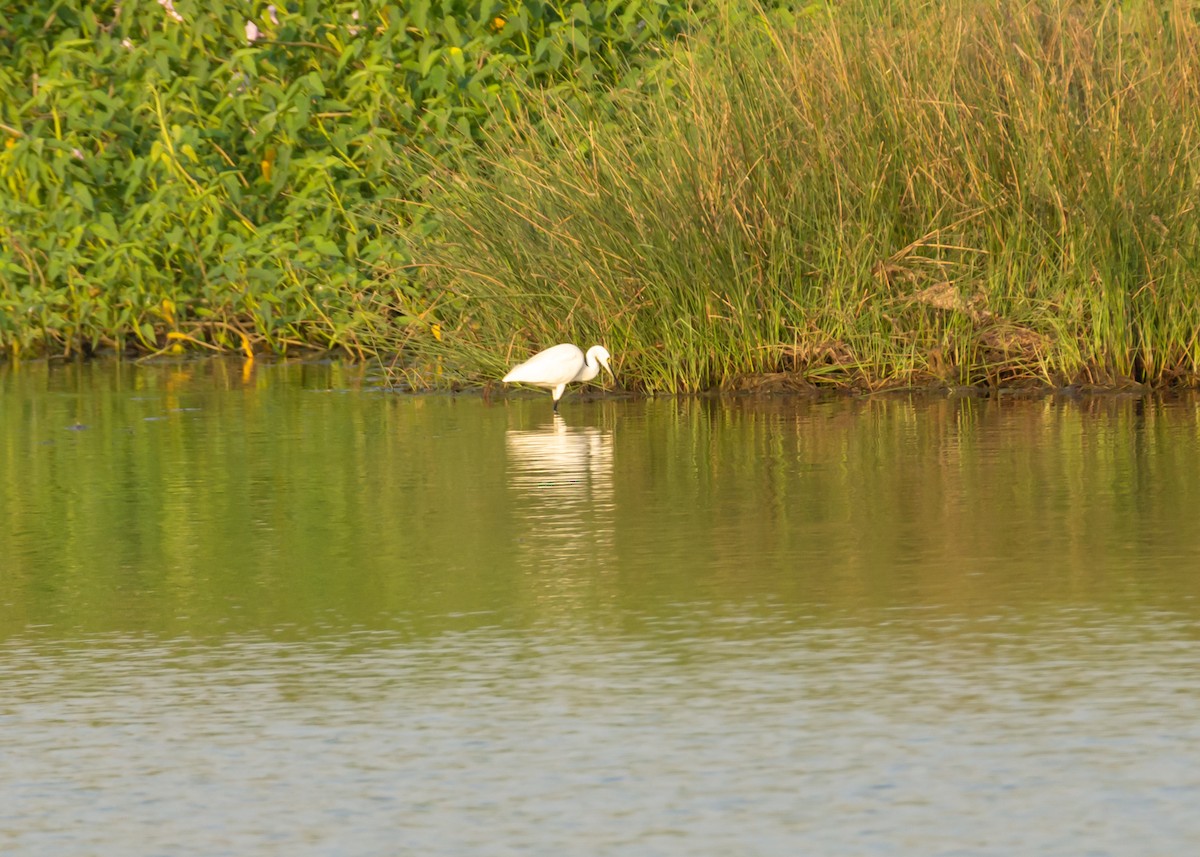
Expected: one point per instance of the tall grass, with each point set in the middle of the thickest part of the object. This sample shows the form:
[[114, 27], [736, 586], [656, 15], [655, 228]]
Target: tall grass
[[871, 194]]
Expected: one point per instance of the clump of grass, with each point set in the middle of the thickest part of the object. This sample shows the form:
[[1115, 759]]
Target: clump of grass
[[872, 194]]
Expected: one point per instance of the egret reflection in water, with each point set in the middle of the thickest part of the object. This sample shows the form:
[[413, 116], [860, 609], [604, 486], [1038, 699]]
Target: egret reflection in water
[[563, 478]]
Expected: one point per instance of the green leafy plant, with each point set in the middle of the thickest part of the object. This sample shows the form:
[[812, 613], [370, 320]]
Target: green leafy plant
[[188, 174]]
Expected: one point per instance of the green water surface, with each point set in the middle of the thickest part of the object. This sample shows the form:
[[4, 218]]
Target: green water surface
[[279, 609]]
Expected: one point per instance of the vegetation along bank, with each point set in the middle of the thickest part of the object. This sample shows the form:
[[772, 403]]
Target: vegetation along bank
[[860, 194]]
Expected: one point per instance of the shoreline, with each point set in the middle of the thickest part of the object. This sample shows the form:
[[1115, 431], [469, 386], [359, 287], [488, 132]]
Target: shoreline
[[763, 386]]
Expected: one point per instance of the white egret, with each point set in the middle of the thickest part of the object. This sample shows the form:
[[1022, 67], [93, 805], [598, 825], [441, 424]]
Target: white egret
[[560, 365]]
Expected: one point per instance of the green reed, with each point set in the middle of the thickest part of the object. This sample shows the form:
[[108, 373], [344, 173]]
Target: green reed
[[869, 194]]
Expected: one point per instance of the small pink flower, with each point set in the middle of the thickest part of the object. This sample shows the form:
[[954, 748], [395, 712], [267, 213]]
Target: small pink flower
[[251, 32], [171, 13]]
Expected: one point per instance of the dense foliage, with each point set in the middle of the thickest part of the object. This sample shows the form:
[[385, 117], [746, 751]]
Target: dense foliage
[[861, 193], [234, 174]]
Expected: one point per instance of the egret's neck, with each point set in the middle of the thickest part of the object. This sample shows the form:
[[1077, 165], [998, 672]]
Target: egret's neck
[[591, 368]]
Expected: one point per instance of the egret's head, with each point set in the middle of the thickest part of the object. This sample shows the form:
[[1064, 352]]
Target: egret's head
[[600, 353]]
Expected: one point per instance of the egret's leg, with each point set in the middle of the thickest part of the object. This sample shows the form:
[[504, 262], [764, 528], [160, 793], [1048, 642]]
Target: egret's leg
[[558, 391]]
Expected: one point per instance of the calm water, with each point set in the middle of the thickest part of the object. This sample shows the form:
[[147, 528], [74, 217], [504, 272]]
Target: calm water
[[282, 612]]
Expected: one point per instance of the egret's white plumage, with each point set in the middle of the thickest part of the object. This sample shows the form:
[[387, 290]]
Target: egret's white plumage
[[560, 365]]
